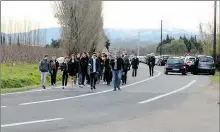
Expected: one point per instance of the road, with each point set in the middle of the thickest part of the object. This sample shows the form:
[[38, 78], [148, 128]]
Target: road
[[162, 103]]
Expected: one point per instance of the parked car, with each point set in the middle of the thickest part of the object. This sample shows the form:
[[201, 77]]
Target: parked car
[[204, 64], [190, 63], [162, 60], [175, 65]]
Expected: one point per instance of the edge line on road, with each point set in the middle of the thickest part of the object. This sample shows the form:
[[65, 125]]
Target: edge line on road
[[167, 94], [3, 106], [89, 94], [31, 122]]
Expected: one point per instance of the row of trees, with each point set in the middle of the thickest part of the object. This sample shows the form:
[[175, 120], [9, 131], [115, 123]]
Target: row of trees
[[21, 32], [180, 46], [81, 24], [22, 42]]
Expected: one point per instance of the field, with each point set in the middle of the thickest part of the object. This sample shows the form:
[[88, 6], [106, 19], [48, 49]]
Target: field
[[21, 77]]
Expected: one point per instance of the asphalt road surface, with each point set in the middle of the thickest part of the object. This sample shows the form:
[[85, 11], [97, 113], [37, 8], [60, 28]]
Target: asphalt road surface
[[162, 103]]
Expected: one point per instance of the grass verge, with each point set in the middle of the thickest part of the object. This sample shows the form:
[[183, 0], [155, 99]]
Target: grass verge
[[19, 78], [215, 78]]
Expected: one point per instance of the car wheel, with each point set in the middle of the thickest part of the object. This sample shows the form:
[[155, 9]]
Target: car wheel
[[184, 73], [213, 73], [165, 72], [195, 73]]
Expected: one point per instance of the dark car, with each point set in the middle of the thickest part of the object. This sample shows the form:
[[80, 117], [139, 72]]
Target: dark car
[[204, 64], [162, 60], [175, 65]]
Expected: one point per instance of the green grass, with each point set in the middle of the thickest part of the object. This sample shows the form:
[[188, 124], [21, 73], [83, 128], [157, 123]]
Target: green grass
[[216, 77], [21, 77]]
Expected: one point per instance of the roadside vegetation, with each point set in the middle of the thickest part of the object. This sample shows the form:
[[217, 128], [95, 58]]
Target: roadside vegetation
[[21, 77], [215, 78]]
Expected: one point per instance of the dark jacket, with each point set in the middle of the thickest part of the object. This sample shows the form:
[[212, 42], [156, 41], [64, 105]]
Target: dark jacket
[[44, 66], [64, 67], [84, 65], [127, 64], [90, 66], [101, 62], [107, 65], [54, 67], [151, 61], [73, 67], [79, 67], [135, 63], [120, 64]]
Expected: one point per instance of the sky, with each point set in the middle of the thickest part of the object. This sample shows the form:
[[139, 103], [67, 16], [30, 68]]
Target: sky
[[121, 14]]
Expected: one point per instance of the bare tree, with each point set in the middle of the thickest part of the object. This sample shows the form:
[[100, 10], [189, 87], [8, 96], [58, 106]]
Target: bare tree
[[81, 24]]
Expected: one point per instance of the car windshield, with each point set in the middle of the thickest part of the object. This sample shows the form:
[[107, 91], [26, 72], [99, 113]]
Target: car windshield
[[165, 57], [175, 61], [205, 59], [192, 59]]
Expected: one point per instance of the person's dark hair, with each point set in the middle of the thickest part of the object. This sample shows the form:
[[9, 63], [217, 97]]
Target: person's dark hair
[[46, 55], [105, 56], [54, 55]]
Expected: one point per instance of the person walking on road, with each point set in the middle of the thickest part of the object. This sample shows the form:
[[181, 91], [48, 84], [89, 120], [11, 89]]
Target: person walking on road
[[107, 70], [93, 70], [79, 76], [151, 64], [73, 69], [64, 69], [83, 68], [135, 64], [126, 69], [44, 69], [117, 65], [101, 67], [88, 76], [54, 65]]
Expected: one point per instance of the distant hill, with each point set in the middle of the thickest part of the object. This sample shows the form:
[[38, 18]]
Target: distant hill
[[115, 35]]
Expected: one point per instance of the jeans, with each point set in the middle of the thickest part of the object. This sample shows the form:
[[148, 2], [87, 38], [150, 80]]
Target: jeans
[[134, 72], [53, 76], [64, 78], [117, 74], [124, 77], [151, 70], [79, 78], [93, 79], [43, 78], [107, 76]]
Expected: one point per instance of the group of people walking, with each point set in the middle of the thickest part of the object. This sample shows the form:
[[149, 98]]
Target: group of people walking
[[85, 69]]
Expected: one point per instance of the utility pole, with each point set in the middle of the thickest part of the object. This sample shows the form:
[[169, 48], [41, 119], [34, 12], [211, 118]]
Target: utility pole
[[138, 52], [161, 36], [214, 41]]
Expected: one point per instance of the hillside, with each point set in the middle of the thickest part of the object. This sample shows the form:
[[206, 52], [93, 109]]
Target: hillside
[[150, 36]]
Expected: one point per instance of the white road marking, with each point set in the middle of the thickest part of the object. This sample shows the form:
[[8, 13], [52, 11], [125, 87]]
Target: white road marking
[[30, 122], [3, 106], [30, 91], [89, 94], [167, 94]]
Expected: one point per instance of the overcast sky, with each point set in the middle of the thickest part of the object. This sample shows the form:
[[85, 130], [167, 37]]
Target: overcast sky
[[121, 14]]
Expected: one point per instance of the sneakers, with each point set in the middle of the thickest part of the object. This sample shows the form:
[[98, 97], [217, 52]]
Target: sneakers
[[119, 88], [43, 87]]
